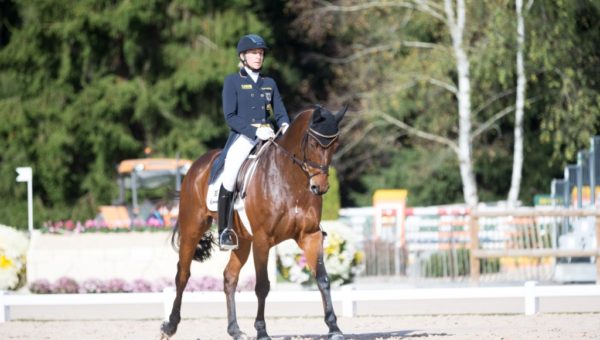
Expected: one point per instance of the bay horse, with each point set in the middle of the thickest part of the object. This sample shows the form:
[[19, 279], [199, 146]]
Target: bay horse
[[283, 201]]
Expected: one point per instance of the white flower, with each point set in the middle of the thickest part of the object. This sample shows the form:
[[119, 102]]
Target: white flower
[[339, 252], [13, 251]]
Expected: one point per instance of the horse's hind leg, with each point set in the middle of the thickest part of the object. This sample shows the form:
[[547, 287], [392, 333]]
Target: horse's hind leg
[[312, 244], [190, 235], [261, 258], [231, 275]]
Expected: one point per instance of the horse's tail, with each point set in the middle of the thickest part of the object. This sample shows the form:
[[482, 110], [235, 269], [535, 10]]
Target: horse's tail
[[203, 249]]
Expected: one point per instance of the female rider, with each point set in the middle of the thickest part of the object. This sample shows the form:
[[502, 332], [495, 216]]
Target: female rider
[[248, 100]]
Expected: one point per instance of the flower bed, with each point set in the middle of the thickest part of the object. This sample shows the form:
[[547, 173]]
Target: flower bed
[[99, 226], [66, 285], [342, 259], [13, 258]]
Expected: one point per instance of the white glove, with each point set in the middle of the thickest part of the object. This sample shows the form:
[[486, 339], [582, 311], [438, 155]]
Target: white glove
[[284, 127], [265, 132]]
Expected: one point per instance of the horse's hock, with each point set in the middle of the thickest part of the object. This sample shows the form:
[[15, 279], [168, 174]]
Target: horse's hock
[[128, 256]]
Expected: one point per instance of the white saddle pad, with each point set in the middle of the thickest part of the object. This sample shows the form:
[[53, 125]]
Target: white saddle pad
[[212, 202]]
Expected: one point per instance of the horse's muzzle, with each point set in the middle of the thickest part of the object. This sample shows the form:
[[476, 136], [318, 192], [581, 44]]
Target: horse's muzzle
[[315, 189]]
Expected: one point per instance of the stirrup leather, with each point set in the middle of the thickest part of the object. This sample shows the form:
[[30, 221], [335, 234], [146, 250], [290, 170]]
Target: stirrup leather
[[223, 237]]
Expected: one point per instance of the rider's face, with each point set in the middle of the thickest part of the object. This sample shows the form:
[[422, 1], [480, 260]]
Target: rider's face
[[255, 58]]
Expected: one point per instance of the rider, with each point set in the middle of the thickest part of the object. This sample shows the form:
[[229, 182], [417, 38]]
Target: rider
[[248, 100]]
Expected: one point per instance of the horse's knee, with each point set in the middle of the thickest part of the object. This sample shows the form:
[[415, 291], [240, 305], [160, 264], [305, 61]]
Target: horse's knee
[[230, 281]]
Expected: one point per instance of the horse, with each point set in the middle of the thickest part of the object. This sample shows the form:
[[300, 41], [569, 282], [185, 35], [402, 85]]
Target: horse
[[283, 201]]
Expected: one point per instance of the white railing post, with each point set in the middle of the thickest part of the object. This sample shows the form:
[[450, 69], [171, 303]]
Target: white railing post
[[348, 302], [531, 300], [4, 307], [168, 297]]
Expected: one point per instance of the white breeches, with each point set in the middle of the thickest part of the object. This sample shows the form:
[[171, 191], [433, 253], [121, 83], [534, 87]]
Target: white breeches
[[238, 152]]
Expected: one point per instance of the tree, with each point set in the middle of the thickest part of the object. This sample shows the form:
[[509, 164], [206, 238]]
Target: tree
[[84, 85], [424, 35], [515, 182]]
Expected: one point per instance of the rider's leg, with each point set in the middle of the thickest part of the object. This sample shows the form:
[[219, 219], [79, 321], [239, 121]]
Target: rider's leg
[[236, 155], [226, 239]]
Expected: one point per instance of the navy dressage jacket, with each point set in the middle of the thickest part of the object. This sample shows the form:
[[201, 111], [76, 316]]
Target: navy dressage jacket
[[246, 106]]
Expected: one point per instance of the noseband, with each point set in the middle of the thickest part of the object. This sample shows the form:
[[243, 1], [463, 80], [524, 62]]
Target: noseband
[[305, 164]]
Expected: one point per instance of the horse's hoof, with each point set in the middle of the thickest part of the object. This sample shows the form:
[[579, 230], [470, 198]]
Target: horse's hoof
[[264, 338], [163, 336], [241, 336], [167, 330], [335, 336]]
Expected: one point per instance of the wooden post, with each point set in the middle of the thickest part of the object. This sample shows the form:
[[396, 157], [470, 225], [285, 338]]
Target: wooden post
[[474, 232], [598, 249]]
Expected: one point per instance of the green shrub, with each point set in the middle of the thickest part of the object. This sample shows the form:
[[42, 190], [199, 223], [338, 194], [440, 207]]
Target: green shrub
[[331, 200]]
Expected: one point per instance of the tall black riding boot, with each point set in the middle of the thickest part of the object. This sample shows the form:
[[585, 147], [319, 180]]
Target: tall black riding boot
[[227, 237]]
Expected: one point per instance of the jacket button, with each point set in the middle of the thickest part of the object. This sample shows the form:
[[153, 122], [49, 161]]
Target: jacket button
[[262, 95], [252, 95], [262, 107], [254, 108], [253, 120]]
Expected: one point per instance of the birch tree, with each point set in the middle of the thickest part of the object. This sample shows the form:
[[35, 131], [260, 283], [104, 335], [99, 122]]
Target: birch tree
[[517, 168], [455, 20], [453, 16]]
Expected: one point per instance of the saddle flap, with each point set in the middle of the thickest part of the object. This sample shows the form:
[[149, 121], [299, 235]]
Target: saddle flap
[[247, 169]]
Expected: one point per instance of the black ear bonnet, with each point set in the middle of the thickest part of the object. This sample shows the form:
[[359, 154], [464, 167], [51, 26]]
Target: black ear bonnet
[[324, 126]]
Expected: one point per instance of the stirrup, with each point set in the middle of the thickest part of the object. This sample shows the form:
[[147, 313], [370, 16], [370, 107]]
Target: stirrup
[[225, 247]]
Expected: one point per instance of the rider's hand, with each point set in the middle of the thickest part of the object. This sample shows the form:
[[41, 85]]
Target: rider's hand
[[265, 132], [284, 127]]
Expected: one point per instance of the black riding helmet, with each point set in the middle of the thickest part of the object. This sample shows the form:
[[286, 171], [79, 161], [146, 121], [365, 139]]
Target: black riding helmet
[[250, 42]]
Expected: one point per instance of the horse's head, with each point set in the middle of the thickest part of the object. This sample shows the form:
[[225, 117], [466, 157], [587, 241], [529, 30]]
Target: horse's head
[[319, 144]]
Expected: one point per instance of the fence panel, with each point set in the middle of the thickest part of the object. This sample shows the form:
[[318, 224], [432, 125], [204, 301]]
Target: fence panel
[[510, 246], [533, 244]]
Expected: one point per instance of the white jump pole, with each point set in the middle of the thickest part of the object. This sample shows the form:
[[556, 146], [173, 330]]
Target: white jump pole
[[25, 175]]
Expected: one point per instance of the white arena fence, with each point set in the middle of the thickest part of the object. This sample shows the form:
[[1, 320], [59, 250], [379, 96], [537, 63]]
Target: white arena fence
[[530, 292]]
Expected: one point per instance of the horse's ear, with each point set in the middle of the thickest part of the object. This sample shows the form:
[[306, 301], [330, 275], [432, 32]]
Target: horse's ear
[[316, 117], [340, 114]]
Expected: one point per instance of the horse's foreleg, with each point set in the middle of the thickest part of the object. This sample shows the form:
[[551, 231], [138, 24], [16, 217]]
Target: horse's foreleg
[[261, 258], [186, 253], [312, 245], [230, 280]]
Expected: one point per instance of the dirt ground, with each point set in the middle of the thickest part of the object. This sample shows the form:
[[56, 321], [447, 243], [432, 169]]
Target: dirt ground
[[444, 327]]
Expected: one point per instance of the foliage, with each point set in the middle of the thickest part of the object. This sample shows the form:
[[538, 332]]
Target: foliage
[[331, 200], [85, 85], [13, 258], [398, 60], [565, 63], [342, 260]]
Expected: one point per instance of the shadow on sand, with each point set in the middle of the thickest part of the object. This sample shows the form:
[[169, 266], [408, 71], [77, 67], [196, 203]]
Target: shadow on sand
[[407, 334]]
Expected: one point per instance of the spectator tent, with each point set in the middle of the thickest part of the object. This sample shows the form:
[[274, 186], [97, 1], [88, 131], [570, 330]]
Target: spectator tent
[[149, 173]]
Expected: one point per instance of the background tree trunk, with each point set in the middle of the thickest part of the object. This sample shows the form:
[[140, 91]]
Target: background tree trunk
[[517, 168], [456, 25]]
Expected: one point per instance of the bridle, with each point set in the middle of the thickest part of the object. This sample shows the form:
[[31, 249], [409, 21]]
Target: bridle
[[305, 164]]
